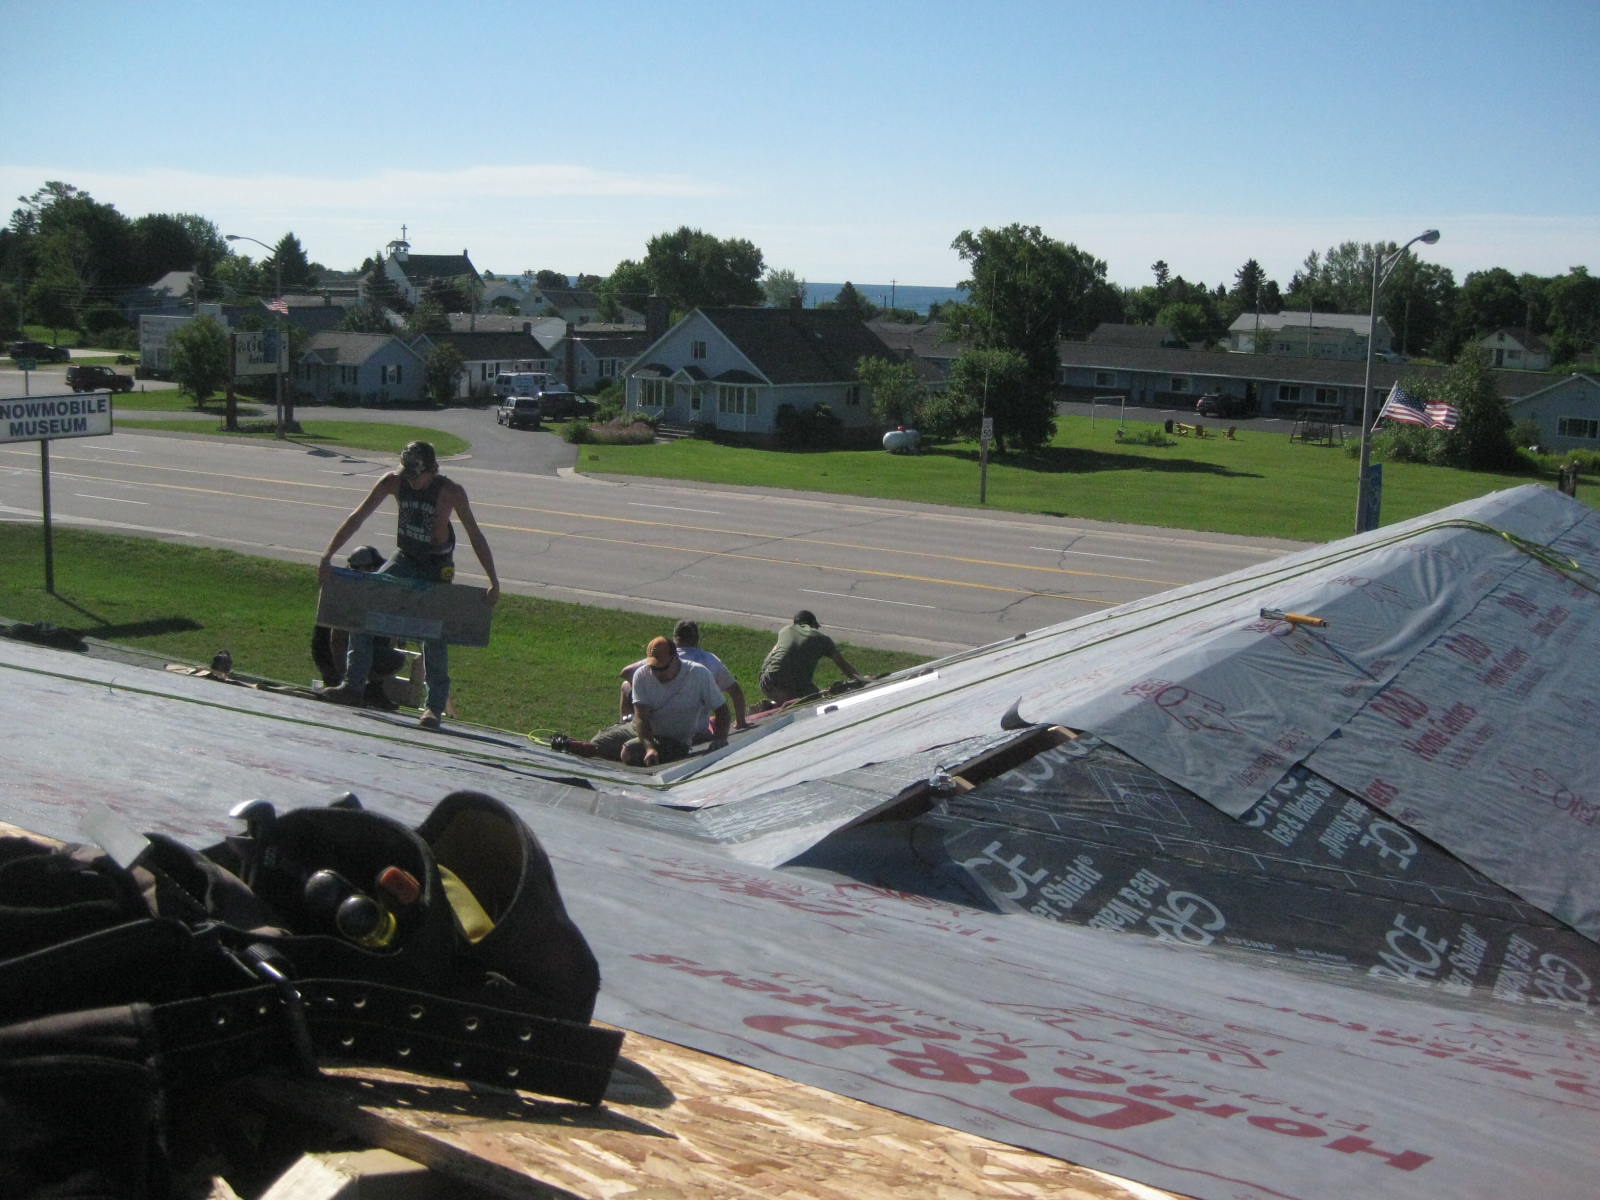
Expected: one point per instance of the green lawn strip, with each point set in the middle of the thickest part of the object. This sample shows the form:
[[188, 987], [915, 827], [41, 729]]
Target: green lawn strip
[[1257, 483], [550, 666], [358, 435]]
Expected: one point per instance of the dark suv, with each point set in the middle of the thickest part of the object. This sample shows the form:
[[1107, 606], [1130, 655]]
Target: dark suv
[[1219, 404], [43, 351], [560, 403], [90, 378], [518, 412]]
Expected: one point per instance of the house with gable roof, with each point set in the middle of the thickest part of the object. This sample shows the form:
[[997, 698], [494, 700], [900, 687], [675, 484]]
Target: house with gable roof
[[1338, 336], [485, 353], [1516, 350], [1567, 411], [735, 368], [370, 369], [412, 273]]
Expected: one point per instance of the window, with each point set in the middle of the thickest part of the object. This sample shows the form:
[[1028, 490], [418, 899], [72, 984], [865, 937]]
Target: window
[[697, 349], [392, 374], [1105, 379], [1288, 393], [1180, 384], [694, 400], [852, 395], [1577, 427], [347, 376], [608, 368], [1328, 396], [653, 393], [735, 401]]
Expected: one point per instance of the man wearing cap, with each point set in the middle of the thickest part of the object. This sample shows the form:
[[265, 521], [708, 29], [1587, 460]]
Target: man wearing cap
[[330, 646], [786, 672], [426, 544], [686, 637], [671, 700]]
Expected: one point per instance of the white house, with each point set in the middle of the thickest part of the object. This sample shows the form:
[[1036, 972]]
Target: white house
[[1567, 412], [1340, 336], [370, 369], [735, 368], [1516, 350]]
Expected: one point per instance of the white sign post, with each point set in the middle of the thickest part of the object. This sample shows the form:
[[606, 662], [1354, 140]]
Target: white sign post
[[43, 418]]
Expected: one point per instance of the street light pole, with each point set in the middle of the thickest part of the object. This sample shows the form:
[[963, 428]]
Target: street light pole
[[277, 294], [1382, 266]]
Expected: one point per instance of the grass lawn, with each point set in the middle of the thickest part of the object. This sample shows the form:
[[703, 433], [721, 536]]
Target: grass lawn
[[551, 666], [1258, 483]]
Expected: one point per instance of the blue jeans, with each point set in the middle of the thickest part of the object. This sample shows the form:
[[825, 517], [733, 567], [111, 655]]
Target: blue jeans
[[435, 657]]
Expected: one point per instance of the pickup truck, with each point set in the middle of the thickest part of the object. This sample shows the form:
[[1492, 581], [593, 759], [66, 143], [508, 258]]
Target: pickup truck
[[89, 378]]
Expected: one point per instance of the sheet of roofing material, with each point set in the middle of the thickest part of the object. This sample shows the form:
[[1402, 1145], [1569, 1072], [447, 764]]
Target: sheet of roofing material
[[1387, 1022]]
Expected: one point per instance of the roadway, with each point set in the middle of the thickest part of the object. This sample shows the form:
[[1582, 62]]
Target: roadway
[[924, 578]]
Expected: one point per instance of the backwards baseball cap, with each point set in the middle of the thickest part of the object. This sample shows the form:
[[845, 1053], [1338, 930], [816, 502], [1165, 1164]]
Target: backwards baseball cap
[[418, 458], [806, 617], [660, 652], [365, 558]]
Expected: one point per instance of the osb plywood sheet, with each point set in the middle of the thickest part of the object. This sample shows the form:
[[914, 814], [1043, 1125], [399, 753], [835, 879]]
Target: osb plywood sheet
[[680, 1124]]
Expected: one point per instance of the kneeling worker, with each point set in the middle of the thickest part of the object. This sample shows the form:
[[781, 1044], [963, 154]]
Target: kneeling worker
[[671, 700]]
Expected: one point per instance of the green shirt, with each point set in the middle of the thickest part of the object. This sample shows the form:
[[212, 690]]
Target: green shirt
[[793, 660]]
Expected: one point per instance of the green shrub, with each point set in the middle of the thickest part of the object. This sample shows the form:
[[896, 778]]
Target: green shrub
[[815, 428], [578, 433]]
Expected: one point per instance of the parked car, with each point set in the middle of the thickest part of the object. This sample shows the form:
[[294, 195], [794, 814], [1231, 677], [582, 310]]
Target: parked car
[[90, 378], [518, 412], [1220, 404], [519, 383], [42, 351], [560, 403]]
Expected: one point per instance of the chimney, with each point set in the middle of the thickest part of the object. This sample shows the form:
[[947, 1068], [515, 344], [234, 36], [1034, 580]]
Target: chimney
[[527, 328], [655, 317]]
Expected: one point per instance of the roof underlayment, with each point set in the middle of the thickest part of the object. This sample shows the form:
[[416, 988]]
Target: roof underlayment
[[1362, 854]]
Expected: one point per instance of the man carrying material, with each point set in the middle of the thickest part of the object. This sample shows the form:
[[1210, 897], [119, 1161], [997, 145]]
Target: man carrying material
[[426, 544], [786, 673]]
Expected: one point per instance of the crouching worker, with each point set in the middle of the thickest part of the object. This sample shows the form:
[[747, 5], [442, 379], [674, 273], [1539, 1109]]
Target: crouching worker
[[788, 670], [329, 646], [672, 698]]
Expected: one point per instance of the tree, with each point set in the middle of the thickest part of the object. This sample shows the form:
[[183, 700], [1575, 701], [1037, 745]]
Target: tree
[[1488, 300], [200, 357], [57, 289], [1162, 272], [10, 311], [1481, 440], [1189, 322], [997, 383], [366, 317], [588, 283], [442, 371], [782, 288], [1027, 291], [628, 286], [693, 269], [1574, 312], [429, 317], [850, 301], [551, 279], [898, 395], [291, 257]]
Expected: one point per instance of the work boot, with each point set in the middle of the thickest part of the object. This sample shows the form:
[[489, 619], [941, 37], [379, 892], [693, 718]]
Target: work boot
[[429, 719], [345, 694]]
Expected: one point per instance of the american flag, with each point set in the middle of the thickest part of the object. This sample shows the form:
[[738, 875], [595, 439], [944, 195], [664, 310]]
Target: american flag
[[1402, 406], [1443, 416], [279, 305]]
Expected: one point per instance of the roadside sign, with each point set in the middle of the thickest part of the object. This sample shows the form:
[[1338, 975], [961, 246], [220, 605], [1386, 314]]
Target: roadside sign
[[27, 364], [988, 429], [257, 352], [42, 418]]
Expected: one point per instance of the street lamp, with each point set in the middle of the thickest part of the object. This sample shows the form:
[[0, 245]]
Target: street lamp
[[1383, 266], [277, 294]]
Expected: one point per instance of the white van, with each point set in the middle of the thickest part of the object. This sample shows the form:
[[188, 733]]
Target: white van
[[523, 383]]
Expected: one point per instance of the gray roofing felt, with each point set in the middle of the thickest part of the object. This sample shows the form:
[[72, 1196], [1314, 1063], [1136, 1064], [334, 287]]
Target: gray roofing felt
[[850, 899]]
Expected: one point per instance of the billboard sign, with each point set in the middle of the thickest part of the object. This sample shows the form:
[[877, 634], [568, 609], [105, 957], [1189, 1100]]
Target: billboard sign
[[42, 418], [258, 352]]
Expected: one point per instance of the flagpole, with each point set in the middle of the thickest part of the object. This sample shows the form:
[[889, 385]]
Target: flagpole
[[1382, 265]]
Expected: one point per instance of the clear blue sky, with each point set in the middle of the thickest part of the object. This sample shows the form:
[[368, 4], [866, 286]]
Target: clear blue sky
[[846, 140]]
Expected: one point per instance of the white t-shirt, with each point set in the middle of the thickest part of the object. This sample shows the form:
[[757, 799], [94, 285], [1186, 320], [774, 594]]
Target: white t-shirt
[[710, 662], [679, 708]]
